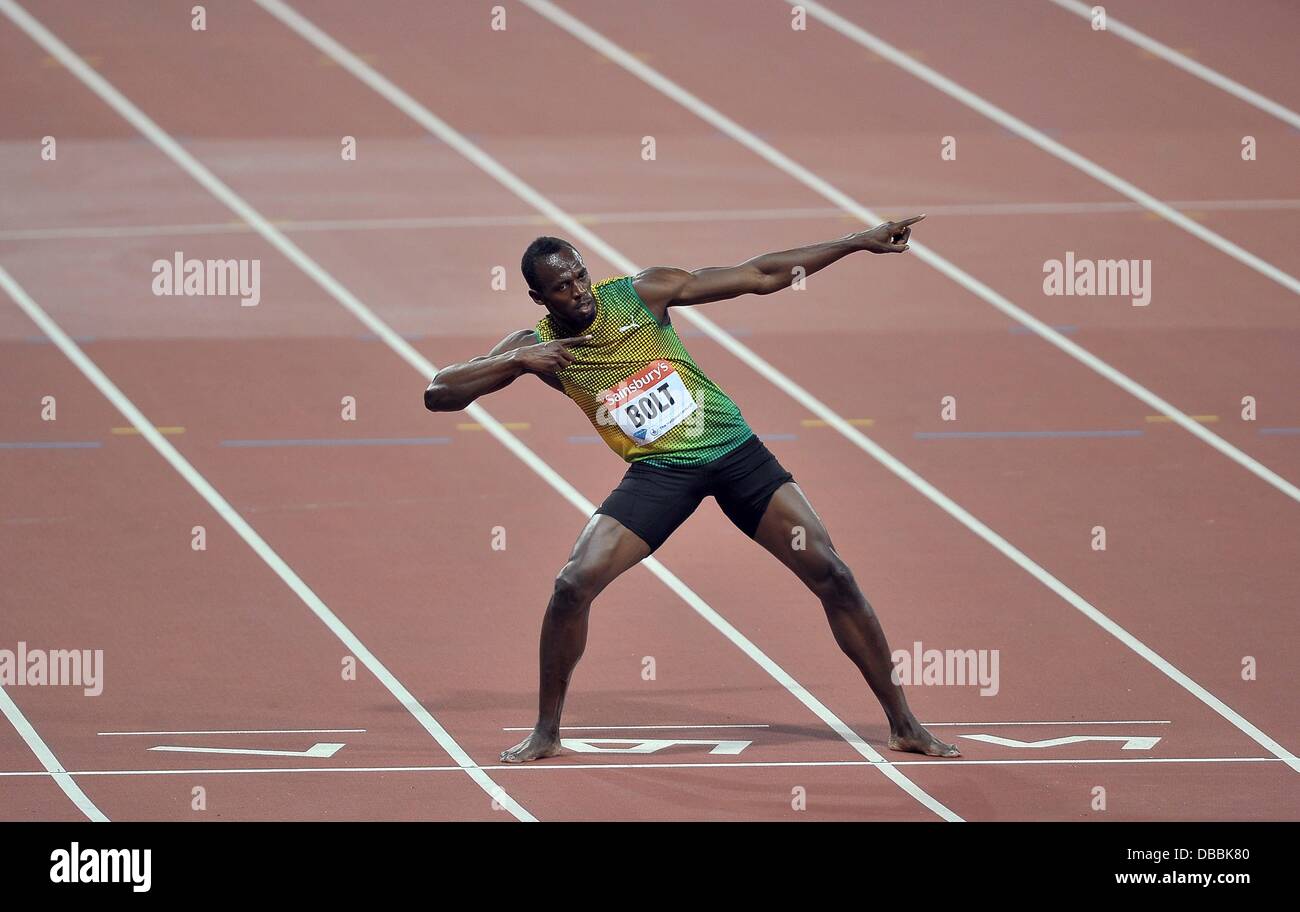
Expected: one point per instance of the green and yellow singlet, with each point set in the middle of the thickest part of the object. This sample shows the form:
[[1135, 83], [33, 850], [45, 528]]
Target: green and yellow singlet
[[640, 388]]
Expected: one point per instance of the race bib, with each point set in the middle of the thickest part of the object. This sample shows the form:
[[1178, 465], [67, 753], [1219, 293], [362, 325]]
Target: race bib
[[650, 403]]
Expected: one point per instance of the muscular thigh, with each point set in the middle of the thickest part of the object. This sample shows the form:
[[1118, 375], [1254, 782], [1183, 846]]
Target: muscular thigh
[[794, 533], [604, 549]]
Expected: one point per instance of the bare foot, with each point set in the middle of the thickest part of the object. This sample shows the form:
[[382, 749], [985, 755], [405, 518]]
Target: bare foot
[[917, 740], [534, 747]]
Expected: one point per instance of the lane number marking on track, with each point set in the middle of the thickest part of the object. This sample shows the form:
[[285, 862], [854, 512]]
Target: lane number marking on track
[[319, 749], [1131, 742], [647, 745]]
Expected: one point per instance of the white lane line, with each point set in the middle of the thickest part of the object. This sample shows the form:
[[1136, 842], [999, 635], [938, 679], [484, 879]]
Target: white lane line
[[633, 217], [612, 51], [53, 767], [232, 517], [738, 764], [981, 105], [250, 731], [350, 302], [657, 80], [1185, 63], [1071, 722], [431, 122], [526, 728], [634, 727]]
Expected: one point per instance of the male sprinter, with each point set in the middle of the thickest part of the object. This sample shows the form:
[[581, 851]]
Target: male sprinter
[[612, 349]]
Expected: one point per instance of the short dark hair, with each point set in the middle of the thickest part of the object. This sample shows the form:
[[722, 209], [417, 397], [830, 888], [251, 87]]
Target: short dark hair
[[540, 249]]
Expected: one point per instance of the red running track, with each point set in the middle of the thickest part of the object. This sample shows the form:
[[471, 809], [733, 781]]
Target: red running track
[[397, 540]]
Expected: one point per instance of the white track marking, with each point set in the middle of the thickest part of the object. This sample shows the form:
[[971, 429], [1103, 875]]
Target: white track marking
[[1131, 742], [649, 745], [232, 517], [350, 302], [981, 105], [53, 767], [746, 764], [633, 727], [507, 178], [250, 731], [526, 728], [1185, 63], [1072, 722], [325, 750], [657, 80], [632, 217]]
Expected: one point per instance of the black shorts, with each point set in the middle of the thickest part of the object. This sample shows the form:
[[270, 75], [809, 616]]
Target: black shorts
[[653, 501]]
